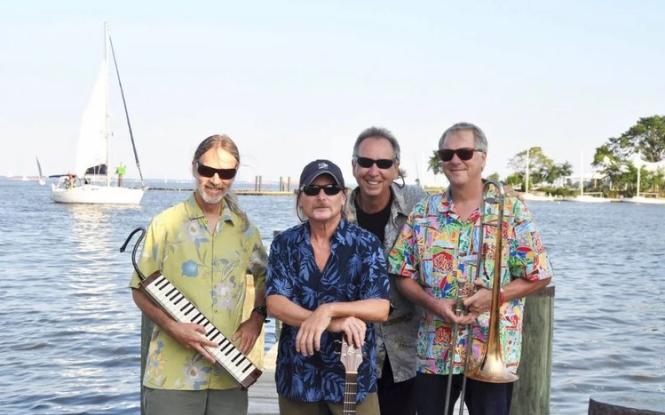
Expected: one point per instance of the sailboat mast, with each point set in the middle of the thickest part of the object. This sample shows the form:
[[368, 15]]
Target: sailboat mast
[[581, 174], [106, 100], [124, 105], [526, 186]]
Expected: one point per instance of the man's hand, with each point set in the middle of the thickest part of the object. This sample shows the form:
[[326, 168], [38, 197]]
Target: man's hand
[[249, 330], [192, 336], [353, 328], [445, 308], [481, 300], [308, 339]]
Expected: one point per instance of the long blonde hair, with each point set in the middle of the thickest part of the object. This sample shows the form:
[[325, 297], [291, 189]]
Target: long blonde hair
[[224, 142]]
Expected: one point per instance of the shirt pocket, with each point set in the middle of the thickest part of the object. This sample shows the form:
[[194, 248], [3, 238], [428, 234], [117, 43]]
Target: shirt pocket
[[440, 265]]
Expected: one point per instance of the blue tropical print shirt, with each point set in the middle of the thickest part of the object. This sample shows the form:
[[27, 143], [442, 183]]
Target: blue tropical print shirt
[[356, 270]]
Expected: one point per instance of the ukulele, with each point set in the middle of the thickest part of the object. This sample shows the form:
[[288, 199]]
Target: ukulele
[[351, 358]]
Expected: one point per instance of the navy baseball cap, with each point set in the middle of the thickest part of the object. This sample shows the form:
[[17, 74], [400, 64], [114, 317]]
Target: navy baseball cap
[[318, 167]]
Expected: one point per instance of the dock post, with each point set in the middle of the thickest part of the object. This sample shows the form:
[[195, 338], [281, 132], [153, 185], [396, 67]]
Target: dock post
[[531, 393], [288, 184], [281, 184], [260, 182]]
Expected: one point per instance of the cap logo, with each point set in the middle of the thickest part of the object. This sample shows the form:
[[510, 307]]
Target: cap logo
[[323, 165]]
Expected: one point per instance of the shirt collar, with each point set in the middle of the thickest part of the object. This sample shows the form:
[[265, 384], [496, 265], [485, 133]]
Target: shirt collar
[[303, 235], [194, 211]]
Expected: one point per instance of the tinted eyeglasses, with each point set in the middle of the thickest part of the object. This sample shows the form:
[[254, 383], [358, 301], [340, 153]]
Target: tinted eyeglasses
[[314, 190], [207, 171], [380, 163], [464, 154]]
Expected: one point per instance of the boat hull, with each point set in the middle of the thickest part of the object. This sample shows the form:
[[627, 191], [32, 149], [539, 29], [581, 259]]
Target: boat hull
[[94, 194], [644, 200]]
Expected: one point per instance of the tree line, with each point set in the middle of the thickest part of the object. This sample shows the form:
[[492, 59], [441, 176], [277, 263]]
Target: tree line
[[615, 163]]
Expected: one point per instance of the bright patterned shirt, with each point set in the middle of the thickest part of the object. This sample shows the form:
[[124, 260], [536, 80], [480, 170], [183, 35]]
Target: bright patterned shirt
[[209, 269], [437, 249], [356, 270]]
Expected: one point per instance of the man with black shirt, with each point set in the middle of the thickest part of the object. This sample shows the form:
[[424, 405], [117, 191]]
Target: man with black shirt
[[382, 207]]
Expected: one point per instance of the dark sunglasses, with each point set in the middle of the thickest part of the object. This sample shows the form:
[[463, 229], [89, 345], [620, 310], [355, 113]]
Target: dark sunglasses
[[314, 190], [380, 163], [207, 171], [464, 154]]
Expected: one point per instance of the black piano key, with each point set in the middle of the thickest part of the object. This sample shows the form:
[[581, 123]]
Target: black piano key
[[179, 300], [228, 346], [236, 357], [247, 367], [229, 351], [200, 319], [160, 285], [217, 333], [175, 295], [171, 292]]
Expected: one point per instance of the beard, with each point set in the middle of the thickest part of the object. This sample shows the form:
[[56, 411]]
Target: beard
[[211, 200]]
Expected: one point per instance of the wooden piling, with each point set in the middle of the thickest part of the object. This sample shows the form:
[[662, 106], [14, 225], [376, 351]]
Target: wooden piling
[[531, 393], [627, 403]]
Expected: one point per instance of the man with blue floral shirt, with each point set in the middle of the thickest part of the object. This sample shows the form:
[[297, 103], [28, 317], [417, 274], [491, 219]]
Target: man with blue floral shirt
[[326, 279]]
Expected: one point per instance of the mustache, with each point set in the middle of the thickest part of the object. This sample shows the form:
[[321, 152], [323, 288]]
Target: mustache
[[212, 187]]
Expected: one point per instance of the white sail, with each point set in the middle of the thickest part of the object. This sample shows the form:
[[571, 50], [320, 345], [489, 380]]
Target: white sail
[[92, 145], [92, 150]]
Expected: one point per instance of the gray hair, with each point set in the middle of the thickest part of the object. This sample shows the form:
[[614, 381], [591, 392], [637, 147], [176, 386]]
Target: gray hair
[[377, 132], [479, 139], [227, 144]]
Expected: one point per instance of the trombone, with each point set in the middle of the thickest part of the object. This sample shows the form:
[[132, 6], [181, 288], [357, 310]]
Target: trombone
[[492, 367]]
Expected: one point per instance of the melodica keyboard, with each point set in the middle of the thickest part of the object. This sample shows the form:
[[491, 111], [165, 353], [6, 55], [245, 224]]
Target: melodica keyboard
[[177, 306]]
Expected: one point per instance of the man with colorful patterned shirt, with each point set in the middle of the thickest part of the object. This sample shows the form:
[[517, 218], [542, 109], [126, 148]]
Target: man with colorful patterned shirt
[[436, 254], [326, 278], [204, 246]]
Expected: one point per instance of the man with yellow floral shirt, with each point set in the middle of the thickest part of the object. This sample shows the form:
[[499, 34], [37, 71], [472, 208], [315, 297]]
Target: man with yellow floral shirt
[[204, 246], [436, 253]]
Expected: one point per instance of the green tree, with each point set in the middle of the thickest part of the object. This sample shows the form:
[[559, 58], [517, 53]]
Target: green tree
[[646, 138], [434, 163]]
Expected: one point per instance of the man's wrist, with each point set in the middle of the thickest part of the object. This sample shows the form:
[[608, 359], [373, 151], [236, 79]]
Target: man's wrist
[[261, 311]]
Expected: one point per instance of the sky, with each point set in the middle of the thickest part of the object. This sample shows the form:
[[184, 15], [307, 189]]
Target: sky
[[294, 81]]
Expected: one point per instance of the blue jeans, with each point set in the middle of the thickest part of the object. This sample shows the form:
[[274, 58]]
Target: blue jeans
[[481, 398]]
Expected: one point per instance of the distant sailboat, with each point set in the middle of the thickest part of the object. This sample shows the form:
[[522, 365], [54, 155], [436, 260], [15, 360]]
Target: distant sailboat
[[637, 160], [91, 183], [587, 198], [42, 179], [531, 196]]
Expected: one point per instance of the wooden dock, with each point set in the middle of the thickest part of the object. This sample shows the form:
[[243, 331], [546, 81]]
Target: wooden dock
[[263, 394]]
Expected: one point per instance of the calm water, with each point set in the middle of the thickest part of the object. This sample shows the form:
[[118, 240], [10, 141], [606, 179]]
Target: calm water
[[70, 332]]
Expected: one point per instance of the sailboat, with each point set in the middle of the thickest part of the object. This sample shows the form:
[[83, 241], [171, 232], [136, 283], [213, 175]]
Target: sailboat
[[532, 196], [91, 182], [587, 198], [42, 180], [638, 162]]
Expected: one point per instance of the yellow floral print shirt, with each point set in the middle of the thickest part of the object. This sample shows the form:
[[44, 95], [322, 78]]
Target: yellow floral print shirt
[[209, 269]]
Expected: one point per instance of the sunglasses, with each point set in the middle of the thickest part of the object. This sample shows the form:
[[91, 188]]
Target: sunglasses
[[207, 171], [464, 154], [314, 190], [380, 163]]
